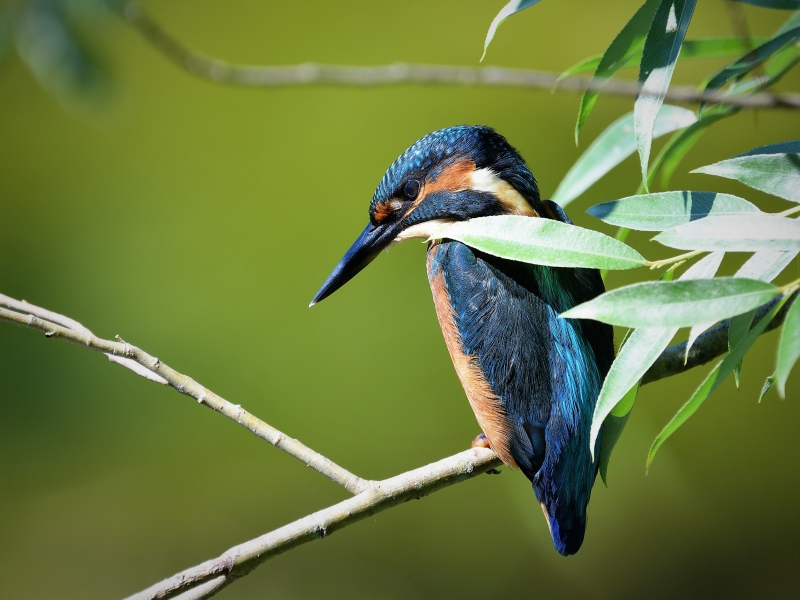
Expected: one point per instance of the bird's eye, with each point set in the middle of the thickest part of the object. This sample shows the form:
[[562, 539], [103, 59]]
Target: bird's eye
[[411, 189]]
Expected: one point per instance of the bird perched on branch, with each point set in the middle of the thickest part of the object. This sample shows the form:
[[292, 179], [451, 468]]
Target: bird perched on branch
[[531, 378]]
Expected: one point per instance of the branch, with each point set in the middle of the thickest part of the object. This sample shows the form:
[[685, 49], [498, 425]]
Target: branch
[[220, 71], [372, 497], [711, 344], [184, 384], [413, 485]]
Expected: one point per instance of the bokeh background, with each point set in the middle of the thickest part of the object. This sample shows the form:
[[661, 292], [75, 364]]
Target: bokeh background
[[197, 220]]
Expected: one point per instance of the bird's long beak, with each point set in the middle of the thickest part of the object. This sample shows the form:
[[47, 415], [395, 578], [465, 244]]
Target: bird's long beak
[[368, 245]]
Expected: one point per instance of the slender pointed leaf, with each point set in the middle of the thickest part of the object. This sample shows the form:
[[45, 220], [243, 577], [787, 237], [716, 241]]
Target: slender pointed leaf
[[735, 233], [582, 66], [712, 382], [675, 303], [613, 146], [544, 242], [626, 45], [665, 210], [740, 67], [790, 23], [613, 426], [509, 9], [637, 355], [646, 345], [768, 383], [774, 169], [711, 264], [682, 141], [661, 50], [764, 266], [695, 49], [60, 59], [788, 347]]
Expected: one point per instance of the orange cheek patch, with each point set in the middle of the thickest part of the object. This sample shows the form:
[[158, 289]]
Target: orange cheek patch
[[383, 211], [453, 178]]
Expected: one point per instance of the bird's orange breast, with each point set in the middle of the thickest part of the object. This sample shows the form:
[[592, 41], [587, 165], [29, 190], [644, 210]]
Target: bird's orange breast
[[488, 409]]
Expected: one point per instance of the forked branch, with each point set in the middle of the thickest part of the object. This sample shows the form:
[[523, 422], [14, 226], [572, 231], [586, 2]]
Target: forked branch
[[371, 497]]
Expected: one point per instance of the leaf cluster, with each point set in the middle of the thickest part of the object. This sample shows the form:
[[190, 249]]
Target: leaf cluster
[[706, 224]]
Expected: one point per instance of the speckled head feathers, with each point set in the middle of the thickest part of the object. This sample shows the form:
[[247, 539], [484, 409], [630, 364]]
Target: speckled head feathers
[[435, 153]]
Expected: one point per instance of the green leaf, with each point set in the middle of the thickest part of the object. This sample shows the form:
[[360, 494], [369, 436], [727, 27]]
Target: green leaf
[[612, 430], [656, 212], [661, 50], [637, 355], [613, 146], [682, 141], [719, 47], [675, 303], [52, 47], [742, 66], [646, 345], [790, 23], [774, 169], [737, 233], [710, 265], [768, 383], [587, 64], [788, 347], [626, 45], [705, 268], [712, 381], [707, 48], [544, 242], [764, 266], [509, 9], [779, 4]]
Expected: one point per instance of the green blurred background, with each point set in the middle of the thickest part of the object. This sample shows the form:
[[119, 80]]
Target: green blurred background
[[197, 220]]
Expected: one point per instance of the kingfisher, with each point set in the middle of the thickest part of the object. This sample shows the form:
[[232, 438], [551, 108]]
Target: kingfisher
[[531, 378]]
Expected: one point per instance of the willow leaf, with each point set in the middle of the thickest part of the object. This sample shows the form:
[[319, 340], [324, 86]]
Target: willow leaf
[[661, 49]]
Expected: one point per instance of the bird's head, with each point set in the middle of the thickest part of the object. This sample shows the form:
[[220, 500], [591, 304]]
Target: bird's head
[[449, 175]]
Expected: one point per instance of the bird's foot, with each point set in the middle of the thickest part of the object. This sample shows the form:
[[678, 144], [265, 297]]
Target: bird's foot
[[481, 441]]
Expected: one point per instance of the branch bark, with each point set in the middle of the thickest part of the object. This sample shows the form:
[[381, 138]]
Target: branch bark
[[371, 497], [220, 71], [185, 385]]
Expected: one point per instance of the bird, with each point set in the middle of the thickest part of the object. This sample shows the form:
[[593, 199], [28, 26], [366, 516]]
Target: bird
[[531, 378]]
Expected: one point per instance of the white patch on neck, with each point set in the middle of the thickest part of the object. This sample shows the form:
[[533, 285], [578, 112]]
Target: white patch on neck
[[486, 180], [428, 230]]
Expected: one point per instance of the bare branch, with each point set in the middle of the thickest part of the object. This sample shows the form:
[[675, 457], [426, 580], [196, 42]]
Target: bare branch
[[315, 74], [371, 497], [187, 385], [43, 313], [413, 485]]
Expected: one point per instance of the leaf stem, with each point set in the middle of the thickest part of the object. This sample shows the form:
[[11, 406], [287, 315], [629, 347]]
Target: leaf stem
[[657, 264], [788, 211]]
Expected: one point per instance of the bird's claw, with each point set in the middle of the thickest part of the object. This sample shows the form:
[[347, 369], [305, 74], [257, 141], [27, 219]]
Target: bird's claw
[[481, 441]]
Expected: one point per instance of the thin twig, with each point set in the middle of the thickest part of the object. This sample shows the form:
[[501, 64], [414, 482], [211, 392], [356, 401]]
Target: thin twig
[[206, 579], [187, 385], [27, 308], [315, 74]]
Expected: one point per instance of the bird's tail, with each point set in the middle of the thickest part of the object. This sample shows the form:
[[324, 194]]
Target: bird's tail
[[567, 524]]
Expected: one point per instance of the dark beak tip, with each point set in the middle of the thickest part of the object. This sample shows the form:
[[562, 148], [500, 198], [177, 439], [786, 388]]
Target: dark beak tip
[[368, 245]]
